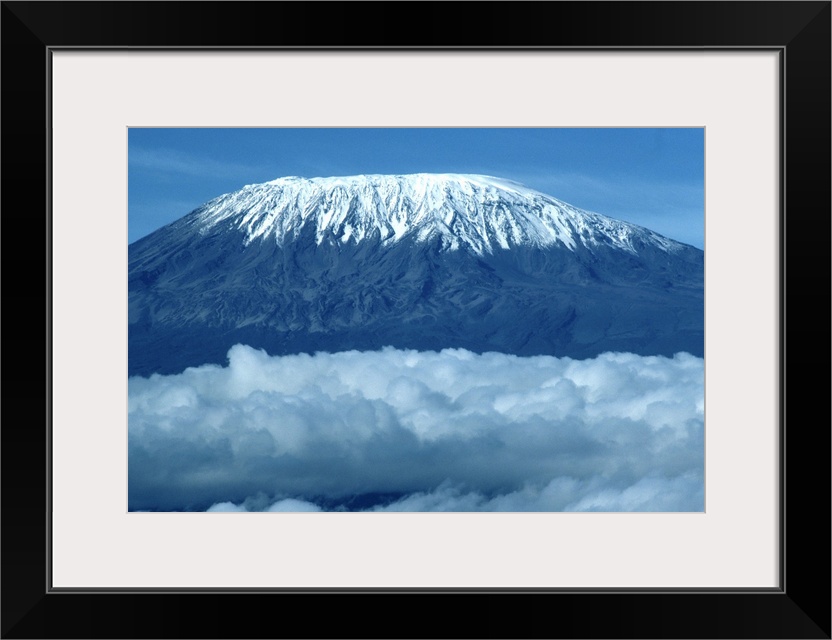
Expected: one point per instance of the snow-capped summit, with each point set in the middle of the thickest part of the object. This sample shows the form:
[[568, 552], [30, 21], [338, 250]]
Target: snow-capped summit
[[418, 261], [480, 213]]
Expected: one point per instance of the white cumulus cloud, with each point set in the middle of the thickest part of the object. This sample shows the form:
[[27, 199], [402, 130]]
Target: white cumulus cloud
[[420, 431]]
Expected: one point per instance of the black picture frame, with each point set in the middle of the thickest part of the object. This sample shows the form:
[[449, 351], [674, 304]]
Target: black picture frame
[[799, 608]]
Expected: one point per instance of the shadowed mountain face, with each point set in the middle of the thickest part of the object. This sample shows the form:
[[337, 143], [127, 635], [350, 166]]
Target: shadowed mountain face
[[424, 262]]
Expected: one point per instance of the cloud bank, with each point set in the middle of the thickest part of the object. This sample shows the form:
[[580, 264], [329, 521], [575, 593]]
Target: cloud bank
[[420, 431]]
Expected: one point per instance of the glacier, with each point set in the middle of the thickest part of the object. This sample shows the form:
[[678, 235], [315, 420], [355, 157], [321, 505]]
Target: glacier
[[472, 211]]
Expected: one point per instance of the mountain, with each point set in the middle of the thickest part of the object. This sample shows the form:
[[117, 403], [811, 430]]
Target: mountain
[[417, 261]]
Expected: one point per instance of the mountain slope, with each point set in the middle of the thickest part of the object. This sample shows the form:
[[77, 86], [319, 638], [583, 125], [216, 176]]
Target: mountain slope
[[421, 261]]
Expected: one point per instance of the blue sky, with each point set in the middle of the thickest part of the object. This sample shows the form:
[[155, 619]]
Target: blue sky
[[651, 177]]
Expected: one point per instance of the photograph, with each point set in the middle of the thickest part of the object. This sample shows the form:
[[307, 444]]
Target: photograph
[[416, 319]]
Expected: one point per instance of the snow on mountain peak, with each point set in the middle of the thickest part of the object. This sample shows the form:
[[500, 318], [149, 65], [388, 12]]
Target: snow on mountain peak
[[482, 213]]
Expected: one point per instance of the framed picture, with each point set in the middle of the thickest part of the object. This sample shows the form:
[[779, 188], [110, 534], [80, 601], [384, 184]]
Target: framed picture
[[81, 79]]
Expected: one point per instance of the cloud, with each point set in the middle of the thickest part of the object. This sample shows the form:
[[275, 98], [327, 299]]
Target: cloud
[[181, 163], [288, 504], [418, 431]]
